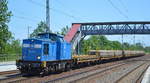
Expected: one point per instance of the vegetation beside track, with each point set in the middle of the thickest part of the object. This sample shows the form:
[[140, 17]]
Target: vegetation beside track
[[8, 44], [9, 57]]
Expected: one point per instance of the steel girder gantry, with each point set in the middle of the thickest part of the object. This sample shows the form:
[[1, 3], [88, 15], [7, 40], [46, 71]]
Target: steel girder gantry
[[114, 28]]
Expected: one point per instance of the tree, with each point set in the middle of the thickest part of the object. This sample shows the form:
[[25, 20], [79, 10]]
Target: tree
[[64, 30], [102, 43], [5, 34], [139, 46], [126, 46], [147, 49], [15, 44], [95, 43], [116, 45], [42, 27]]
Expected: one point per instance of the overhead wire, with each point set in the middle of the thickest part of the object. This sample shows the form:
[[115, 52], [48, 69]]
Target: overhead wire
[[36, 3], [55, 10], [64, 13], [119, 11], [123, 5], [70, 10], [20, 13], [24, 18], [125, 9]]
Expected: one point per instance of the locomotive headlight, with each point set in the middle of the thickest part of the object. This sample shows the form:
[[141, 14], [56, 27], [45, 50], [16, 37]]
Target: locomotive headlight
[[38, 57], [24, 56]]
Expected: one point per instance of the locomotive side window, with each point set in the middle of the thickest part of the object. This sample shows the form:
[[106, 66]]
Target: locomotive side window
[[46, 49]]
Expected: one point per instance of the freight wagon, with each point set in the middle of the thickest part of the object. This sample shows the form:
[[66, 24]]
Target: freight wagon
[[99, 55]]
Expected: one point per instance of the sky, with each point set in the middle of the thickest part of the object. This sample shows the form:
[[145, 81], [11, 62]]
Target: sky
[[28, 13]]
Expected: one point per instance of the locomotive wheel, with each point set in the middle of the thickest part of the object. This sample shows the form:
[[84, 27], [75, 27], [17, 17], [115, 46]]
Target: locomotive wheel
[[67, 67], [44, 72]]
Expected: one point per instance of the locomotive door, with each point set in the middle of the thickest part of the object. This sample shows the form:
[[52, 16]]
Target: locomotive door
[[58, 54], [46, 49]]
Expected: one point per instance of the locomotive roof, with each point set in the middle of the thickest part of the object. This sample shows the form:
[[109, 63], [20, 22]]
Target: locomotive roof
[[47, 33], [50, 34]]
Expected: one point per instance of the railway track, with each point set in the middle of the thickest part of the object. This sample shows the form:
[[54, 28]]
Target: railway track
[[12, 76], [9, 75], [136, 73], [9, 72], [99, 74], [16, 78], [74, 78], [133, 76], [63, 75], [77, 75]]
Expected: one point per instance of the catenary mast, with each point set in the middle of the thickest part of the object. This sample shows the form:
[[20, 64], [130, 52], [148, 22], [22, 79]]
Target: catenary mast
[[47, 16]]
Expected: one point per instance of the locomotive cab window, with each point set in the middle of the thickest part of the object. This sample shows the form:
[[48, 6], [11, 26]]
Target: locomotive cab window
[[46, 49]]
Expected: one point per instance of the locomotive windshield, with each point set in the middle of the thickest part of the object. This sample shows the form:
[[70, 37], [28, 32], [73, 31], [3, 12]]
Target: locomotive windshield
[[26, 45], [31, 45]]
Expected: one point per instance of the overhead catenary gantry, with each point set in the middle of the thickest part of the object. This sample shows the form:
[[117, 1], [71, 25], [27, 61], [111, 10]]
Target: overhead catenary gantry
[[114, 28]]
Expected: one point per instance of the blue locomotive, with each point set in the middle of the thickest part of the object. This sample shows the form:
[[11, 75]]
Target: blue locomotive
[[47, 52]]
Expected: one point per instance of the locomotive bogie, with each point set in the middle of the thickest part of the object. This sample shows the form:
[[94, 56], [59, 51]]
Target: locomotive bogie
[[32, 67]]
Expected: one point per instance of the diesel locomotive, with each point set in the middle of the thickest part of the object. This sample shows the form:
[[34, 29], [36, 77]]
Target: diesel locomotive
[[49, 52]]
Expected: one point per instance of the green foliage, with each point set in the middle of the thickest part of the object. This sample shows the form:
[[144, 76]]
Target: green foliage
[[147, 49], [95, 43], [42, 27], [5, 34], [8, 45], [4, 13], [9, 57], [11, 51], [102, 43], [64, 30]]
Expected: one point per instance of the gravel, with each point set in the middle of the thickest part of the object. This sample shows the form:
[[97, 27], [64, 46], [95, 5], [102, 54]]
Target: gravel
[[112, 75]]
